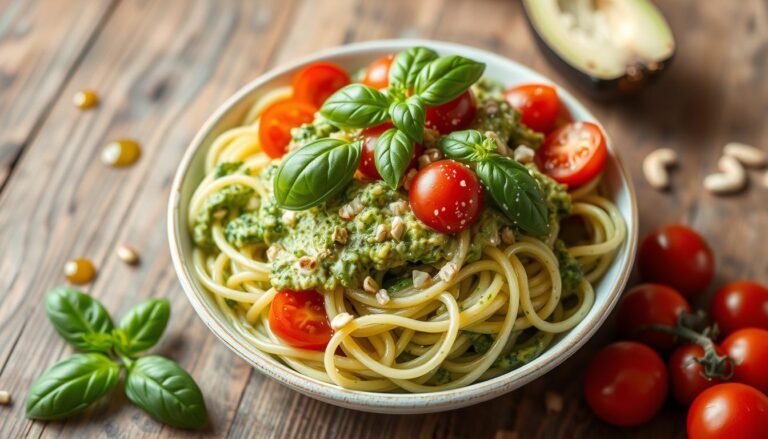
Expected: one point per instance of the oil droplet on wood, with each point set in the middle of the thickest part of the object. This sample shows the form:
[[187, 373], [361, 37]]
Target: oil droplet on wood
[[121, 152], [79, 271], [85, 99]]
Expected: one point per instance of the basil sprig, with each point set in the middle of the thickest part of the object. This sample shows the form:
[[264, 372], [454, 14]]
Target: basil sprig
[[320, 169], [511, 186], [156, 384], [313, 173]]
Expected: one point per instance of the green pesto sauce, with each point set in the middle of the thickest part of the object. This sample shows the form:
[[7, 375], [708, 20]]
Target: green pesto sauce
[[556, 196], [523, 354], [495, 114], [308, 132], [570, 270], [228, 199]]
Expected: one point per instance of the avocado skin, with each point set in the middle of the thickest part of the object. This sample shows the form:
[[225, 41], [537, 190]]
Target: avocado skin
[[595, 87]]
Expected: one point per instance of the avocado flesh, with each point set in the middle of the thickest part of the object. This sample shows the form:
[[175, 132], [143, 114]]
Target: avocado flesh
[[608, 46]]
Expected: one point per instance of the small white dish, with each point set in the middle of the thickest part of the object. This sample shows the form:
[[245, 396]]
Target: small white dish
[[353, 57]]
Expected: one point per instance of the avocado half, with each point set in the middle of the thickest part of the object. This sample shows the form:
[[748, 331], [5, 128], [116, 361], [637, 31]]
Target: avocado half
[[609, 48]]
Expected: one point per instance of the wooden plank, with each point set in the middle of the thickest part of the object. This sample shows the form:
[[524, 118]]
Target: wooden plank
[[161, 68], [41, 42]]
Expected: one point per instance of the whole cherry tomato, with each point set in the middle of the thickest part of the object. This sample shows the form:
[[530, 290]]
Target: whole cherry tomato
[[686, 374], [316, 82], [454, 115], [446, 196], [377, 75], [729, 411], [278, 120], [740, 304], [748, 348], [367, 165], [650, 304], [677, 256], [573, 154], [626, 383], [299, 319], [538, 105]]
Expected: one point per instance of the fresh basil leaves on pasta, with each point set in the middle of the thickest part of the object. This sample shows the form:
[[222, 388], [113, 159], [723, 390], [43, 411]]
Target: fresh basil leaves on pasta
[[463, 146], [445, 78], [79, 319], [142, 326], [166, 391], [515, 192], [356, 106], [408, 116], [407, 65], [313, 173], [156, 384], [71, 385], [393, 152]]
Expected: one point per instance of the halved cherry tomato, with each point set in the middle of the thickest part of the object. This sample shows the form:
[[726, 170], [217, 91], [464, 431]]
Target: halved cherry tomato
[[367, 165], [729, 410], [650, 304], [626, 383], [453, 115], [276, 123], [299, 319], [748, 348], [677, 256], [686, 374], [377, 75], [538, 104], [446, 196], [316, 82], [573, 154], [739, 305]]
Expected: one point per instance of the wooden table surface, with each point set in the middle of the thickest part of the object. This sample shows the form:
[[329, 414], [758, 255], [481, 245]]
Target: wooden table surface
[[161, 67]]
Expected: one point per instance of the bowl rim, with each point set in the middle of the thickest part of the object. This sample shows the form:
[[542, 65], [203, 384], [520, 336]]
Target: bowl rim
[[377, 401]]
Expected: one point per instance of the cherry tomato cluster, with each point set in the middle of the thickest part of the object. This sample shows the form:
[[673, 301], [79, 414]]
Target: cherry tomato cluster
[[724, 384]]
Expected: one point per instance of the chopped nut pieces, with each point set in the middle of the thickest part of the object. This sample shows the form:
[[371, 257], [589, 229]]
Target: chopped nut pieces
[[409, 176], [307, 263], [340, 235], [370, 285], [289, 218], [381, 232], [421, 279], [398, 207], [382, 297], [448, 271], [128, 255], [507, 236], [341, 320], [351, 209], [397, 228], [272, 251], [524, 154]]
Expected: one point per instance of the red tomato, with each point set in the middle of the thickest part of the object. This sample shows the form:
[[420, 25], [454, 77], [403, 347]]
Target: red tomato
[[377, 75], [316, 82], [276, 123], [446, 196], [299, 319], [686, 374], [748, 348], [573, 154], [626, 383], [729, 410], [739, 305], [538, 105], [650, 304], [677, 256], [454, 115], [367, 165]]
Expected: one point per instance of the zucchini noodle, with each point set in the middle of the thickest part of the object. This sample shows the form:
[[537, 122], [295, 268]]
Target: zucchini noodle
[[421, 340]]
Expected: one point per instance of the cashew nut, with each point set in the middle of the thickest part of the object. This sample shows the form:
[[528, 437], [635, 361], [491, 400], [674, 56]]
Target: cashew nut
[[748, 155], [655, 167], [733, 177]]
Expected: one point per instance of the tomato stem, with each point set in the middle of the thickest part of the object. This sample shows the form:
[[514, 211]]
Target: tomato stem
[[714, 365]]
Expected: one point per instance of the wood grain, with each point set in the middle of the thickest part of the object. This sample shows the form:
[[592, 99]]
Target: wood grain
[[162, 67]]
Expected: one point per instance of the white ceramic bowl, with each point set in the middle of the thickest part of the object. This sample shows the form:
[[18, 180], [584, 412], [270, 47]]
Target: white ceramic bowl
[[353, 57]]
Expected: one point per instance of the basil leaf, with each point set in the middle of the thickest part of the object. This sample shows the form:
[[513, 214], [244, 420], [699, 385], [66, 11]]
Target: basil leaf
[[393, 152], [167, 392], [356, 106], [407, 65], [78, 318], [462, 145], [515, 192], [409, 117], [445, 78], [71, 385], [142, 326], [313, 173]]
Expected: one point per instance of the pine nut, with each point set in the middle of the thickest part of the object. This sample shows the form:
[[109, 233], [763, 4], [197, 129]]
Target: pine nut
[[5, 397], [398, 228], [448, 271], [421, 279], [523, 154], [341, 320], [382, 297], [370, 285], [128, 255]]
